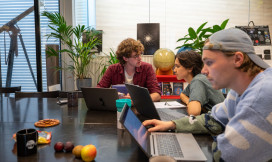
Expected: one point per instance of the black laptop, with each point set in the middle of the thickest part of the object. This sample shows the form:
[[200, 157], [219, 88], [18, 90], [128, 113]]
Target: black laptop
[[145, 106], [100, 98]]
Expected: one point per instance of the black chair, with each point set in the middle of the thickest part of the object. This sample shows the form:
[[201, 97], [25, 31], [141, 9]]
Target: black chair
[[8, 90], [52, 94]]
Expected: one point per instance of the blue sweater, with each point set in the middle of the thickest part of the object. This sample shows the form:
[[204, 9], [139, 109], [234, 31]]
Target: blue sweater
[[248, 122]]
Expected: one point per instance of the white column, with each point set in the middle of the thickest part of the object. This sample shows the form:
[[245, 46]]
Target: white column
[[67, 10]]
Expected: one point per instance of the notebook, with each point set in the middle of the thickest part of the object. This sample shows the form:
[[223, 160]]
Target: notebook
[[145, 106], [100, 98], [181, 146]]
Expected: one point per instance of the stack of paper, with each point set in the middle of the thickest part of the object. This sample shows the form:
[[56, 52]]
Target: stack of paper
[[169, 104]]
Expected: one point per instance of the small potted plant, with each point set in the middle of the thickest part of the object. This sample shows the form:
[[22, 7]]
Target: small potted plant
[[81, 51], [195, 39]]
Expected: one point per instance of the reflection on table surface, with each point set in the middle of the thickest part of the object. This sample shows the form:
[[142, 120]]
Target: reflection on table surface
[[77, 125]]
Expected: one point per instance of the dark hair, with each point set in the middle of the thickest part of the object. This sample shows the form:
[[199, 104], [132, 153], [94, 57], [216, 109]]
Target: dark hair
[[190, 59], [126, 47]]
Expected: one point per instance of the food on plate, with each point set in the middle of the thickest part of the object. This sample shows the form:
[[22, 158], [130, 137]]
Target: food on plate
[[47, 123]]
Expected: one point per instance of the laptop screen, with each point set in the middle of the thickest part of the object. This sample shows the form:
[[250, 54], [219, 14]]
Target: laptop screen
[[135, 128]]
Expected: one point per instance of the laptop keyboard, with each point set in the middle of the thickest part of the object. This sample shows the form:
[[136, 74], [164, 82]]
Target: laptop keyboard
[[168, 145], [166, 116]]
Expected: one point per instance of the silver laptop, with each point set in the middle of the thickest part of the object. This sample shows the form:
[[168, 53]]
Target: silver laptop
[[145, 106], [181, 146], [100, 98]]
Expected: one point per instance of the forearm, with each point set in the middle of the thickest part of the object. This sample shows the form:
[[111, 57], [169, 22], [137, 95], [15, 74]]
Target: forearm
[[194, 108], [191, 124], [155, 97], [204, 123], [184, 98]]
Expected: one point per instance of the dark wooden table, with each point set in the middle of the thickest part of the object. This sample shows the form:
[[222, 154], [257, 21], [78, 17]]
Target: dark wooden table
[[77, 125]]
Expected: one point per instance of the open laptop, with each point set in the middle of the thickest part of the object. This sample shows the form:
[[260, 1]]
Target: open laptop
[[145, 106], [100, 98], [181, 146]]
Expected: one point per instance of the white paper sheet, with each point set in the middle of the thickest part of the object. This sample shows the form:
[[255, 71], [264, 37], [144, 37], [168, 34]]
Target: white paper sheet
[[169, 104]]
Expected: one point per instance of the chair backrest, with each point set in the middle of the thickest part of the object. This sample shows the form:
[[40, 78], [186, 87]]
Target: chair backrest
[[53, 94], [10, 89], [63, 94]]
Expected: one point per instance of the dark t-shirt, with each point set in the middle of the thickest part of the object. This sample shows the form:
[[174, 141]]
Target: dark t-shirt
[[200, 89]]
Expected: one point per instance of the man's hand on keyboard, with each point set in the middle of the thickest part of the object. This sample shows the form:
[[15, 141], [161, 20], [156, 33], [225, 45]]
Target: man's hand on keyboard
[[159, 125]]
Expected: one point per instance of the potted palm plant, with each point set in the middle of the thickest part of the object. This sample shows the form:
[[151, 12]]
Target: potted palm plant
[[80, 51]]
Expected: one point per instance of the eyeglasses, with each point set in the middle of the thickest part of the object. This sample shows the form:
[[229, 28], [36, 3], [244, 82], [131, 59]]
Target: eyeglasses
[[136, 56]]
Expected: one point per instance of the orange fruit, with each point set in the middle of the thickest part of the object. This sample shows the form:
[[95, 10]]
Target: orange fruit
[[77, 151]]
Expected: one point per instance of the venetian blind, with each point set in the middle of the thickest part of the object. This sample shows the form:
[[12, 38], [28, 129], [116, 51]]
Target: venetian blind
[[21, 75]]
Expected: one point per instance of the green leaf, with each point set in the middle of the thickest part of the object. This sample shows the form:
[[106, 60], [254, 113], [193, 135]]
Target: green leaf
[[201, 27], [196, 40], [206, 36], [216, 28], [178, 47], [192, 33], [181, 39], [201, 34], [224, 24], [187, 45], [209, 30]]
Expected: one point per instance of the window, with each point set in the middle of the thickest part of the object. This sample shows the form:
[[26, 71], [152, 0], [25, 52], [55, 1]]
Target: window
[[85, 13], [21, 74]]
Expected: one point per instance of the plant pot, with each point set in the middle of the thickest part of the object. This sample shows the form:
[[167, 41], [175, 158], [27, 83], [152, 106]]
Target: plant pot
[[83, 83]]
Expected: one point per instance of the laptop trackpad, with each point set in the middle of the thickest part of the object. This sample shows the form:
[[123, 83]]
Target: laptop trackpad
[[181, 146]]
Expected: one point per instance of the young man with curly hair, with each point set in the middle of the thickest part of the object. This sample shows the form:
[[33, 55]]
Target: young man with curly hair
[[131, 69]]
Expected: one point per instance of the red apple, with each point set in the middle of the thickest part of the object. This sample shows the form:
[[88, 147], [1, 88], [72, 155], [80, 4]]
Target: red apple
[[68, 147], [58, 146], [88, 153]]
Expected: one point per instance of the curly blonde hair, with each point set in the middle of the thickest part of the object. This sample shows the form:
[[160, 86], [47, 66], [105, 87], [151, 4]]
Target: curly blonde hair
[[126, 47]]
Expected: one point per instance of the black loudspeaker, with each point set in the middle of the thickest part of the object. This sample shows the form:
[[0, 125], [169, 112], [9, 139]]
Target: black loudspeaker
[[149, 35]]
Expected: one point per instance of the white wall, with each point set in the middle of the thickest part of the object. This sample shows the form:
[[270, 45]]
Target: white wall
[[118, 18]]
